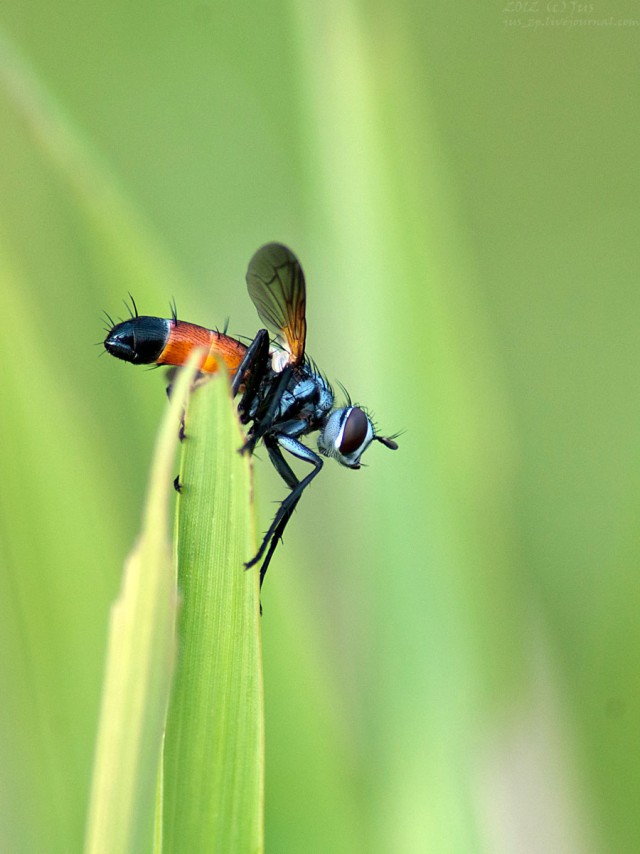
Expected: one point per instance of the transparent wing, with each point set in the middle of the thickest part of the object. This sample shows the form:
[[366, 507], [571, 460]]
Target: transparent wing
[[276, 286]]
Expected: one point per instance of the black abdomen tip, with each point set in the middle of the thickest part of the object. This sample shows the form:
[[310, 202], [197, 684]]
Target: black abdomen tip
[[139, 340]]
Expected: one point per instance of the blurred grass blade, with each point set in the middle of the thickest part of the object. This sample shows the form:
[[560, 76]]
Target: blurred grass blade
[[127, 245], [139, 667], [213, 750]]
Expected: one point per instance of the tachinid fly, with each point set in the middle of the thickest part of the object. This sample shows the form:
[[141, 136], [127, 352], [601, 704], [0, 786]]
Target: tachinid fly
[[283, 397]]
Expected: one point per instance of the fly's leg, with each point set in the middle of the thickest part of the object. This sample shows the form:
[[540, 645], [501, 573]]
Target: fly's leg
[[275, 539], [288, 475], [199, 379], [264, 418], [251, 371], [285, 511]]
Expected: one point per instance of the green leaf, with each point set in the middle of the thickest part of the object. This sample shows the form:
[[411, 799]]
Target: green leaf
[[213, 753], [139, 667]]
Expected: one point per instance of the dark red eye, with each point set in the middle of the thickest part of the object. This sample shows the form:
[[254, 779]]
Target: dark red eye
[[355, 431]]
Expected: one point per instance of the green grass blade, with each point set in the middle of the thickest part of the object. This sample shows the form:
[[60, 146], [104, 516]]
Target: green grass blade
[[139, 667], [213, 754]]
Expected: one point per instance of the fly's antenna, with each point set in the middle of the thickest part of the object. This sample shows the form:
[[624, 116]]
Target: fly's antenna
[[387, 441], [174, 311], [390, 441]]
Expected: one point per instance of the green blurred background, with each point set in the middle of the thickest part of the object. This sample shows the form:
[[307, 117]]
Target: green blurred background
[[451, 634]]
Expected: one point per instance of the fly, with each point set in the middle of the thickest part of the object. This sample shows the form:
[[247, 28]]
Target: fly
[[283, 396]]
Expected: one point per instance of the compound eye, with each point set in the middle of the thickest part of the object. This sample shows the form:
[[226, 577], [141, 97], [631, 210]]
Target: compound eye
[[355, 432]]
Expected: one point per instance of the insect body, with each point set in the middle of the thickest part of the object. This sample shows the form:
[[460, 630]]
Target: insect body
[[283, 396]]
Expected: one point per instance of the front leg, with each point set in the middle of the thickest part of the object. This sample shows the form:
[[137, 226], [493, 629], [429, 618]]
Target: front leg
[[267, 412], [288, 475], [285, 511], [251, 372]]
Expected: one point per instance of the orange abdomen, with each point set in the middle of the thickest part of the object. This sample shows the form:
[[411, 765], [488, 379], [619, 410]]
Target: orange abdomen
[[183, 337]]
